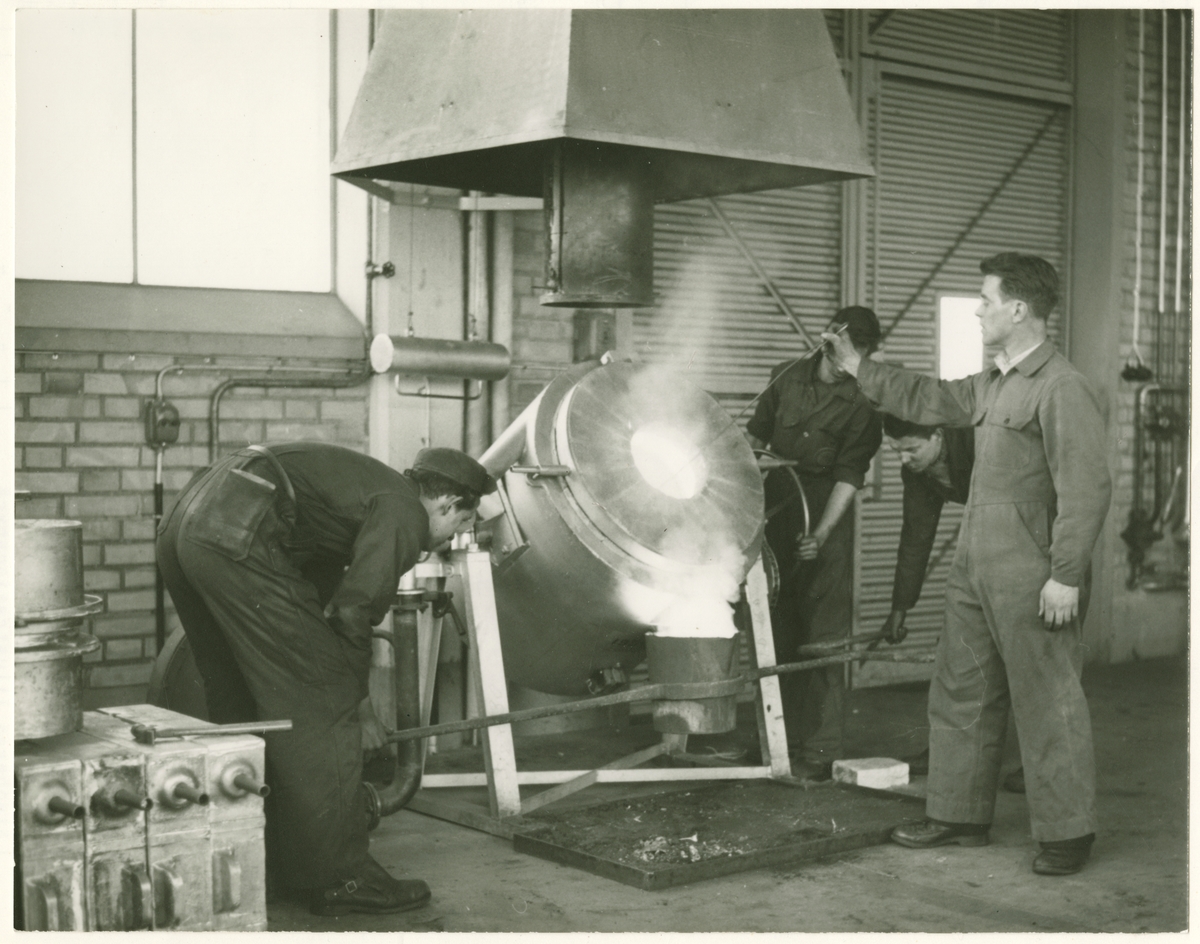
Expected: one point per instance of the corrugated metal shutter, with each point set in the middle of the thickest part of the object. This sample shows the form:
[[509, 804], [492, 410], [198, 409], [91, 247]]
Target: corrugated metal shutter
[[941, 152], [1024, 43], [715, 321]]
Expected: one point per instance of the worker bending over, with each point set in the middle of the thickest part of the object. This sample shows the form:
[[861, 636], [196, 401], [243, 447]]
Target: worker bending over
[[1039, 493], [812, 412], [280, 559]]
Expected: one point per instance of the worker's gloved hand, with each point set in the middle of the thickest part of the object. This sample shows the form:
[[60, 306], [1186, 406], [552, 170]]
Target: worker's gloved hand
[[1058, 605], [374, 734], [893, 627]]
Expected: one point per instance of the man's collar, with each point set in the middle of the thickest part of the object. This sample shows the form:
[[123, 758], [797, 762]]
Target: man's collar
[[1028, 361]]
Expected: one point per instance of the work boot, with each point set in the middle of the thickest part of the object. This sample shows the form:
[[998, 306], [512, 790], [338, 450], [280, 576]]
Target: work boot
[[1015, 782], [1064, 857], [932, 832], [371, 891]]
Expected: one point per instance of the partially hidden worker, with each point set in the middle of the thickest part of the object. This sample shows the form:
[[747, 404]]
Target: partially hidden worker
[[813, 413], [1039, 493], [280, 559]]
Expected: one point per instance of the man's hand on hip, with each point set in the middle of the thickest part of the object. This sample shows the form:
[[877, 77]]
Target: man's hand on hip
[[1058, 605]]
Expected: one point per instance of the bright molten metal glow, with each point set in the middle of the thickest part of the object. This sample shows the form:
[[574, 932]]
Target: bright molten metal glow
[[668, 460]]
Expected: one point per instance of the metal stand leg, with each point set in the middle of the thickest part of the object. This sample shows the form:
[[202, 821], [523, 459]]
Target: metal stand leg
[[483, 627], [771, 732]]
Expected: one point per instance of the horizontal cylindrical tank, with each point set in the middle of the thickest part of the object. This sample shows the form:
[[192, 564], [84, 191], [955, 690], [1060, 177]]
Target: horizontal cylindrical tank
[[440, 357], [632, 489]]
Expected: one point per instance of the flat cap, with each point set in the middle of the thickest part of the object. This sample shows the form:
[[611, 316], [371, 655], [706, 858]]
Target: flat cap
[[457, 467]]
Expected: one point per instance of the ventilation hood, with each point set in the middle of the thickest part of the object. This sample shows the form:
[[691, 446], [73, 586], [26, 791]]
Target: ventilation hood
[[624, 107]]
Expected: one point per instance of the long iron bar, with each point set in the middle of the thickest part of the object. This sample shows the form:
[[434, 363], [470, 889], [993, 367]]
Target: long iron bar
[[656, 692]]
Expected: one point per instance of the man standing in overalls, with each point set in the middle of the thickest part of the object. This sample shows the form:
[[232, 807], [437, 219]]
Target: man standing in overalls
[[280, 559], [1039, 492]]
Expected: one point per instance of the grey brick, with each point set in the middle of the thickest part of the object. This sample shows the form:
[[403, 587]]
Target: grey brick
[[39, 507], [190, 408], [94, 580], [27, 383], [101, 529], [107, 384], [123, 649], [138, 529], [237, 435], [127, 600], [148, 362], [61, 361], [300, 410], [32, 432], [44, 483], [91, 555], [43, 457], [107, 506], [248, 409], [96, 655], [124, 624], [102, 456], [100, 431], [138, 480], [175, 479], [129, 673], [348, 412], [123, 407], [62, 408], [65, 382], [135, 577], [100, 480], [116, 554]]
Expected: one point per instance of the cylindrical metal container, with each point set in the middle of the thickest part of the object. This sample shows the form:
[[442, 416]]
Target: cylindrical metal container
[[693, 659], [587, 560], [48, 687], [599, 208], [48, 566], [49, 609], [440, 357]]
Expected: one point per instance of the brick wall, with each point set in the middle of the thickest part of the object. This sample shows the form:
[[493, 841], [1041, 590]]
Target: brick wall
[[80, 450]]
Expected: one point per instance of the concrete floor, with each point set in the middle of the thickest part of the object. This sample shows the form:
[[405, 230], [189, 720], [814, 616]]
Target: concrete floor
[[1135, 882]]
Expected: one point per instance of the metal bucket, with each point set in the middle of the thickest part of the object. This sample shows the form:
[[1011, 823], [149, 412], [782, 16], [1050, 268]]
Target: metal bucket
[[48, 689], [49, 608], [48, 573], [692, 659]]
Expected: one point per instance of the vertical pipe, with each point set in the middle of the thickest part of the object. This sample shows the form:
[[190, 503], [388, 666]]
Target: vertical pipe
[[1137, 229], [1160, 316], [502, 309], [478, 412], [1177, 306], [160, 609]]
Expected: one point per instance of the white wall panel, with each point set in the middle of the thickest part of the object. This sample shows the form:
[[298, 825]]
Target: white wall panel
[[233, 149], [74, 145]]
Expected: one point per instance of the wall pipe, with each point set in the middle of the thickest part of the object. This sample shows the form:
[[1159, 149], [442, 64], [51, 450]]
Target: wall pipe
[[1141, 175], [406, 679], [327, 383]]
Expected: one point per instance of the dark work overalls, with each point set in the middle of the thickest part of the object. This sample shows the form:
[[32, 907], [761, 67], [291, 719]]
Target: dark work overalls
[[832, 432], [278, 599]]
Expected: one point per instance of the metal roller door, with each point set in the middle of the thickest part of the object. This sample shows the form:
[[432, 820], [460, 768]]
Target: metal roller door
[[962, 174]]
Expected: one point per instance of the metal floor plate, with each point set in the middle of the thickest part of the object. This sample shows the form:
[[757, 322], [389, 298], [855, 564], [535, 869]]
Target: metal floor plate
[[666, 840]]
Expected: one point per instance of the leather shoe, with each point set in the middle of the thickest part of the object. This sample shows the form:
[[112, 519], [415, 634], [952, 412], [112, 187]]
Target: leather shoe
[[1065, 857], [371, 891], [931, 832], [1015, 782]]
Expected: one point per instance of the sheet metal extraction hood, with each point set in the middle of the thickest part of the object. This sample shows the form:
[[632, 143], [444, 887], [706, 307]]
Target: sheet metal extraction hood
[[603, 113]]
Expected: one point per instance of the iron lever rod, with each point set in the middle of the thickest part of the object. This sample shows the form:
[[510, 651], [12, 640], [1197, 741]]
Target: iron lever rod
[[685, 690], [148, 734]]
